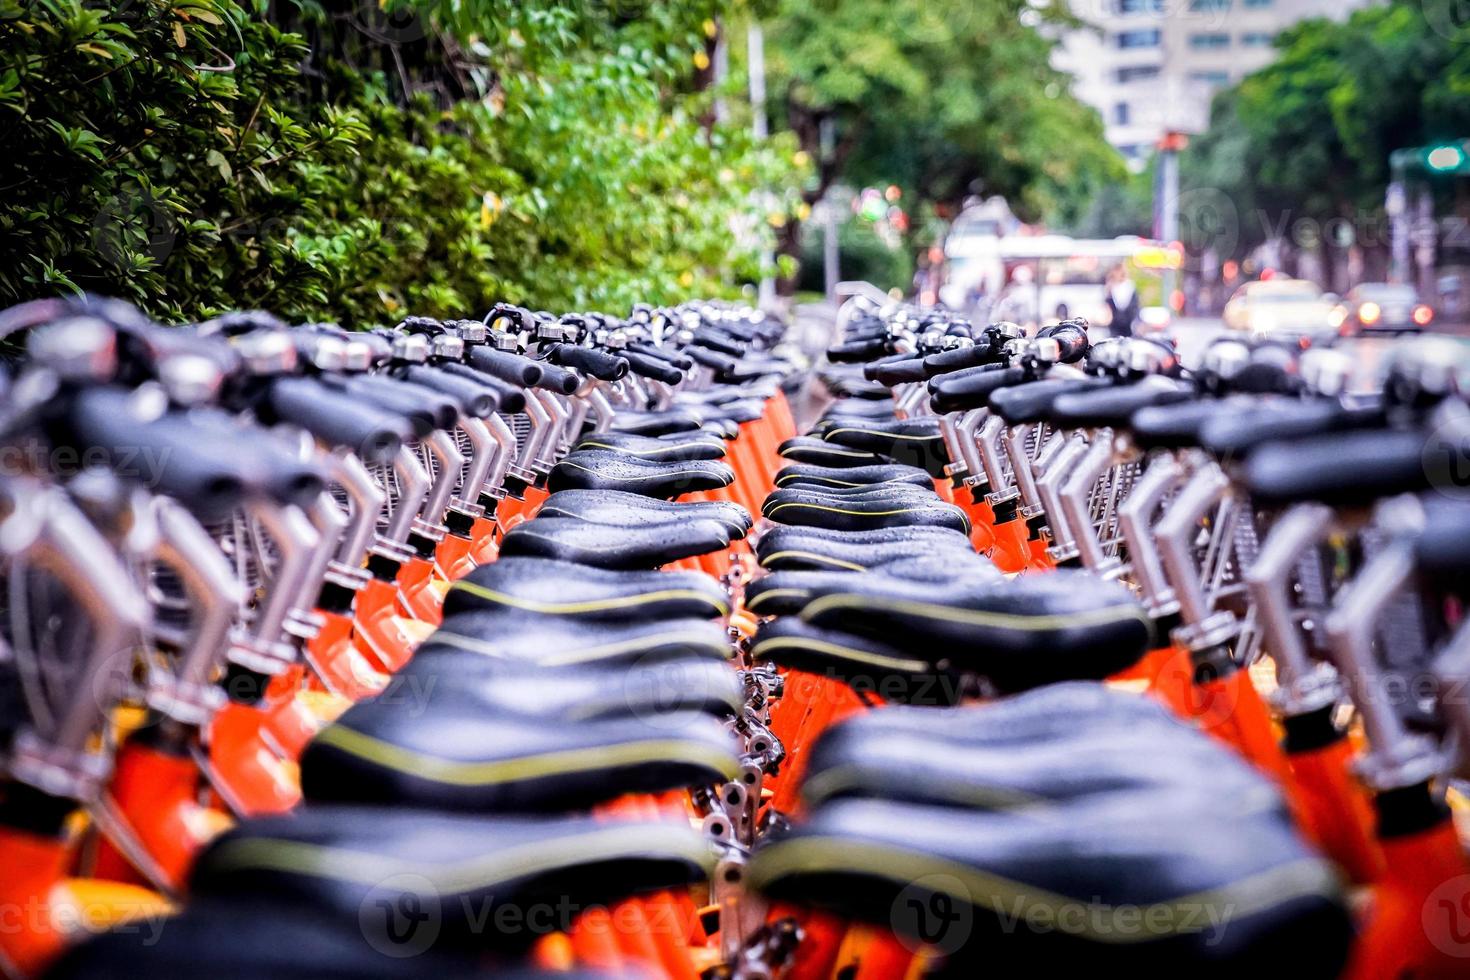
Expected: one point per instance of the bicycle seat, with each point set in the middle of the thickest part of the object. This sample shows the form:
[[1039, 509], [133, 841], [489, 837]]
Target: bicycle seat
[[1060, 711], [1113, 407], [559, 588], [894, 492], [681, 445], [738, 411], [341, 859], [852, 386], [610, 546], [916, 442], [787, 592], [878, 409], [809, 508], [941, 767], [561, 685], [1027, 403], [808, 474], [254, 939], [1018, 634], [622, 509], [504, 634], [1346, 469], [809, 449], [605, 469], [863, 664], [657, 423], [487, 758], [1115, 883], [792, 547]]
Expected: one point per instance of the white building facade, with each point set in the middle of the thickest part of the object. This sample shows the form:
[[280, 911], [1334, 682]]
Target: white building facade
[[1151, 66]]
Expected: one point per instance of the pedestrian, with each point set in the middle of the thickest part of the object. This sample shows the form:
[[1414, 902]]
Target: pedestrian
[[1122, 301]]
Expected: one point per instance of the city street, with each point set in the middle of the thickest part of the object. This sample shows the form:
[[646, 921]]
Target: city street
[[1194, 334]]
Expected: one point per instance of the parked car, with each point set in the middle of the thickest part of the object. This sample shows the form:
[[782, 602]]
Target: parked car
[[1289, 307], [1385, 307]]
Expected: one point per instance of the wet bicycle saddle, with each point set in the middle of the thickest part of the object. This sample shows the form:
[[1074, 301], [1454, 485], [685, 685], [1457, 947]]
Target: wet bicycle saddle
[[681, 445], [809, 449], [495, 758], [605, 545], [942, 765], [916, 442], [786, 593], [559, 588], [605, 469], [812, 475], [657, 423], [1115, 882], [254, 939], [811, 508], [339, 859], [499, 634], [792, 547], [863, 492], [1017, 634], [455, 680], [622, 509]]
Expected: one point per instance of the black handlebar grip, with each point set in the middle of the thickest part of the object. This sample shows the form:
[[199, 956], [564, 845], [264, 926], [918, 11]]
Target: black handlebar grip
[[599, 364], [1072, 340], [960, 357], [427, 409], [654, 368], [712, 359], [558, 380], [903, 371], [167, 455], [717, 341], [338, 419], [856, 351], [970, 388], [479, 400], [681, 361], [512, 368], [512, 398], [870, 368]]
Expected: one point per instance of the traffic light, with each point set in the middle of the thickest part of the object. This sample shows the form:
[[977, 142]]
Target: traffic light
[[1446, 158]]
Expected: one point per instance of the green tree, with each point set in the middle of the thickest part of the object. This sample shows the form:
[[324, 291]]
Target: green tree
[[344, 160], [943, 97], [1309, 136]]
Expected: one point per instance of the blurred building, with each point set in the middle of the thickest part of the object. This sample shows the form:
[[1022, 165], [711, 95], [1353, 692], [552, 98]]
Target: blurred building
[[1149, 66]]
